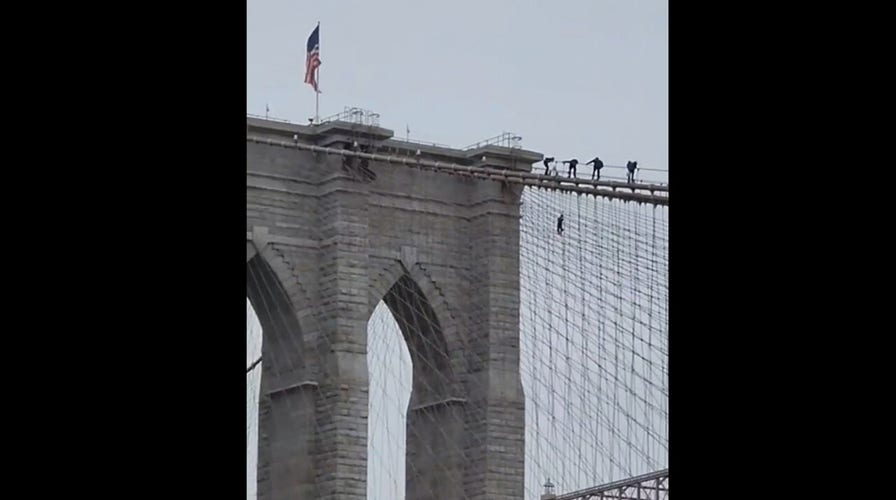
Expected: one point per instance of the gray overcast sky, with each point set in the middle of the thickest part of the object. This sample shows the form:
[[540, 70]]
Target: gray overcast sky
[[573, 77]]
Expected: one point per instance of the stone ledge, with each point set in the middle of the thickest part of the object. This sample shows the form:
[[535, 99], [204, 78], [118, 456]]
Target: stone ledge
[[443, 402]]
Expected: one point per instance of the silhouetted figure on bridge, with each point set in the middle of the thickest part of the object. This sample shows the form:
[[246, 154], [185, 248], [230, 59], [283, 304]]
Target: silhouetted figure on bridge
[[560, 225], [572, 167], [547, 165], [631, 166], [597, 166]]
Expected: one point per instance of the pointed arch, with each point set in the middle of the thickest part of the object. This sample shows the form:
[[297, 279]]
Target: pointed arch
[[277, 299], [384, 279], [289, 283], [436, 409], [286, 409]]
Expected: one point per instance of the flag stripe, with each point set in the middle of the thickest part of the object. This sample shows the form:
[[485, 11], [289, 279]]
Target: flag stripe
[[312, 60]]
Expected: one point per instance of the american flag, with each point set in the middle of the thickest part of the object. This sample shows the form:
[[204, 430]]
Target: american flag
[[312, 60]]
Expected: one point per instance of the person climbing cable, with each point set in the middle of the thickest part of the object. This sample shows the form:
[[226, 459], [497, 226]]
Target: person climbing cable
[[631, 166], [560, 225], [572, 167], [547, 164], [597, 166]]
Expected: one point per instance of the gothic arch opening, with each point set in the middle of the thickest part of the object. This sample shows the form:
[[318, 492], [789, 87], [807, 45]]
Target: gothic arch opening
[[284, 411], [278, 320], [412, 383], [253, 393], [389, 366]]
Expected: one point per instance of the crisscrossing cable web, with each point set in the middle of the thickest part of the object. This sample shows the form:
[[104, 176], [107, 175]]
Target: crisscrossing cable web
[[594, 339]]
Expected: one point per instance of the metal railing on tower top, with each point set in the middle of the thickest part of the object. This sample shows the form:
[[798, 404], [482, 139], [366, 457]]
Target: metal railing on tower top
[[506, 140], [269, 118], [359, 116], [418, 141]]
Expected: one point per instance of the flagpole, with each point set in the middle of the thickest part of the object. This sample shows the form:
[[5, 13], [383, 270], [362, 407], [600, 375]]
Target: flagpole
[[317, 92]]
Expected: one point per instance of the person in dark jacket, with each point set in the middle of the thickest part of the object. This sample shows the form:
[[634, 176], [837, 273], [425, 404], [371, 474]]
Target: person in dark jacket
[[597, 166], [631, 166], [572, 167], [547, 165]]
